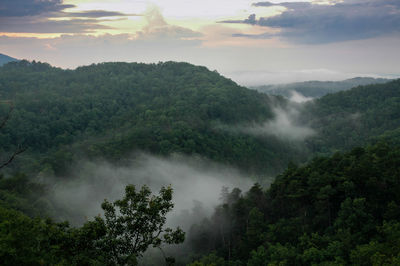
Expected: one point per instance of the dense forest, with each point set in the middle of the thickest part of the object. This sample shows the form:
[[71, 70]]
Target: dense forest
[[338, 210], [364, 114], [111, 109], [334, 199]]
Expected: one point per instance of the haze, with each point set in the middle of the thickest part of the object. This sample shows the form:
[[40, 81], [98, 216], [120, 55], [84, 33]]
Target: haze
[[251, 42]]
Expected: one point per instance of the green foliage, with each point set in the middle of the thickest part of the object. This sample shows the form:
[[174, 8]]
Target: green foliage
[[258, 258], [26, 241], [332, 211], [119, 239], [137, 222], [355, 117], [111, 109], [18, 193]]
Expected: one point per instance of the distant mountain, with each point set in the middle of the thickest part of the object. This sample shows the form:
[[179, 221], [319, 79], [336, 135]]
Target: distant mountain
[[4, 59], [316, 89]]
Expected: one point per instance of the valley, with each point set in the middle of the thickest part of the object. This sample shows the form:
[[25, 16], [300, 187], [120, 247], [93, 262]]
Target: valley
[[255, 177]]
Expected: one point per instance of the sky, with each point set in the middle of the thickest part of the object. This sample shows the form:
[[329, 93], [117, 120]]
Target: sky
[[252, 42]]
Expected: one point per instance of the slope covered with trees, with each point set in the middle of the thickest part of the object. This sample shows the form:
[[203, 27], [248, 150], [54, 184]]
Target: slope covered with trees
[[341, 210], [355, 117], [112, 109], [337, 210]]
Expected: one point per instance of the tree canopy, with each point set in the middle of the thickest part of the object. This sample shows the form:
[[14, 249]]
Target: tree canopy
[[129, 227], [111, 109], [338, 210]]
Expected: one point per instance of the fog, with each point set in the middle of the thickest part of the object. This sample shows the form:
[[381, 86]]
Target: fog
[[260, 78], [285, 125], [196, 182], [297, 97]]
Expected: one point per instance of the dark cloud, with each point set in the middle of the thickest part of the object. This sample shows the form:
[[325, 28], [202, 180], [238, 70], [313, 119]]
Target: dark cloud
[[37, 16], [95, 14], [285, 4], [21, 8], [265, 35], [250, 20], [267, 4], [38, 25], [350, 20]]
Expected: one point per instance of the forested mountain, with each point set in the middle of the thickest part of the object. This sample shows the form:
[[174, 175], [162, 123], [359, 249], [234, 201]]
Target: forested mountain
[[4, 59], [339, 210], [355, 117], [112, 109], [315, 89], [342, 210]]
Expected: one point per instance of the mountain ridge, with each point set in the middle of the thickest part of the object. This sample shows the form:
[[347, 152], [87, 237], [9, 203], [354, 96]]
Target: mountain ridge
[[158, 108], [4, 59], [317, 89]]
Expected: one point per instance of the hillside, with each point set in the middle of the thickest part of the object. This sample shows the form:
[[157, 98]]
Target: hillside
[[355, 117], [341, 210], [4, 59], [113, 109], [336, 210], [316, 89]]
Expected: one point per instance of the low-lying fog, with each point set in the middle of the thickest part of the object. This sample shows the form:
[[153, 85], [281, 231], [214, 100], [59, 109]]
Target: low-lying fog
[[285, 124], [196, 182]]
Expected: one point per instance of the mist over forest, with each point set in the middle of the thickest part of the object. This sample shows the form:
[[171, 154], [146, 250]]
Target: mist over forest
[[195, 181], [301, 174]]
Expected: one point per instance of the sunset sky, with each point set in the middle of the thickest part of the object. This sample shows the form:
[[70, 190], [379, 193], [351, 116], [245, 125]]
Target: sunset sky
[[251, 42]]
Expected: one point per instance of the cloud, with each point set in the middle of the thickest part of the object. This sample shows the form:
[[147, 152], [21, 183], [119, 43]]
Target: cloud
[[250, 20], [251, 65], [88, 22], [49, 16], [21, 8], [312, 23], [44, 25], [259, 78], [96, 14], [81, 49], [284, 126], [194, 180], [262, 36], [291, 5], [297, 97], [157, 27]]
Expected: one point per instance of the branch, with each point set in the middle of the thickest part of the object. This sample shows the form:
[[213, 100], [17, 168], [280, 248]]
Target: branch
[[2, 124], [18, 151]]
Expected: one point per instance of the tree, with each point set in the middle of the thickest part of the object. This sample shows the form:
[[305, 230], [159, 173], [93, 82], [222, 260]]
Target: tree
[[3, 122], [135, 223]]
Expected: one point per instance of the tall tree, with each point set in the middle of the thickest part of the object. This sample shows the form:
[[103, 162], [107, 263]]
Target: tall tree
[[136, 222]]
